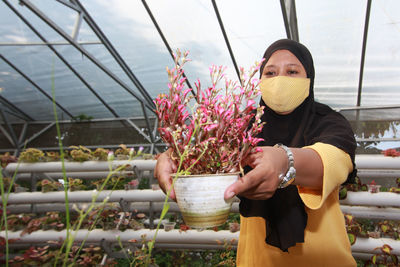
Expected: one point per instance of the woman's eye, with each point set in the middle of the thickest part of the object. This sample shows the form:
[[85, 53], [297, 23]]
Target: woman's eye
[[292, 72], [269, 73]]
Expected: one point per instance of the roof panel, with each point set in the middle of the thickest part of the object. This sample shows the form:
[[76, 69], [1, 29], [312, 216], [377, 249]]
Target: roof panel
[[333, 31], [381, 83]]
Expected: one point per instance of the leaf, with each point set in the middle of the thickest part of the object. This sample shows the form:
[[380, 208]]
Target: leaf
[[165, 210], [395, 259], [150, 245], [386, 249], [352, 238], [373, 259]]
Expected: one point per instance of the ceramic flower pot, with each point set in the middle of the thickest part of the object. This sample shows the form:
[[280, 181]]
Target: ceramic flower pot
[[201, 198]]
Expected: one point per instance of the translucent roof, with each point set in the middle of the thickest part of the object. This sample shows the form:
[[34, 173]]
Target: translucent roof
[[332, 30], [107, 59]]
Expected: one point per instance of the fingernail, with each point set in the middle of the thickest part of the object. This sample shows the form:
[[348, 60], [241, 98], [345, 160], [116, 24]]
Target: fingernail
[[231, 194]]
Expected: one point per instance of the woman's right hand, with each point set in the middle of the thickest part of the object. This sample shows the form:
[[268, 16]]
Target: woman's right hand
[[162, 172]]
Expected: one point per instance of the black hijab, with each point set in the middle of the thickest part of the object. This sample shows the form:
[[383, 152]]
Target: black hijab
[[309, 123]]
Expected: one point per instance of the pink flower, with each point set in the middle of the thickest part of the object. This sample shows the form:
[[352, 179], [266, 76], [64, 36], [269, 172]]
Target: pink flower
[[214, 133]]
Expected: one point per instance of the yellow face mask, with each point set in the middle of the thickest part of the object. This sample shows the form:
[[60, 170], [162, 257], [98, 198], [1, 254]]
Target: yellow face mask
[[283, 94]]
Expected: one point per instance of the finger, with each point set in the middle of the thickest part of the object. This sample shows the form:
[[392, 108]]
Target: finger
[[245, 183], [165, 182], [248, 160]]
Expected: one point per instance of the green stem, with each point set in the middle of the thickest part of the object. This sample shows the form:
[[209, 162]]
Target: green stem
[[166, 204], [4, 201]]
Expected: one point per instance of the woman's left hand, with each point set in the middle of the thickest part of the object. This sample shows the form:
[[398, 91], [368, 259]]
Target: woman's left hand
[[262, 181]]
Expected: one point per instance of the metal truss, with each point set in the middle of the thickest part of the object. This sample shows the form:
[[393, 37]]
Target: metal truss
[[221, 25], [290, 19], [154, 144]]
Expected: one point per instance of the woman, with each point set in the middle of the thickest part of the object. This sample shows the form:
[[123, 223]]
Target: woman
[[290, 213]]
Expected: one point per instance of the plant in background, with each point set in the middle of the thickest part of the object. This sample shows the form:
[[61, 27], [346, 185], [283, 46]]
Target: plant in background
[[218, 123], [75, 184], [384, 257], [52, 156], [18, 222], [133, 184], [100, 153], [7, 158], [48, 186], [80, 153], [122, 152], [228, 257], [31, 155]]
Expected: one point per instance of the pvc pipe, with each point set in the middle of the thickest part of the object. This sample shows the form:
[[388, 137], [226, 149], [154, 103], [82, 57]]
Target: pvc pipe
[[80, 175], [353, 198], [362, 162], [372, 199], [139, 206], [86, 196], [362, 173], [367, 245], [357, 211], [377, 162], [378, 174], [103, 166], [206, 237], [362, 256], [372, 212]]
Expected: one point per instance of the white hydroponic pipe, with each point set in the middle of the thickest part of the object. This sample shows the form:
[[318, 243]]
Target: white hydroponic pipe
[[358, 211], [89, 166], [137, 206], [188, 238], [368, 245], [87, 196], [372, 212], [377, 162], [378, 174], [353, 198], [81, 175], [205, 237], [386, 199], [362, 161]]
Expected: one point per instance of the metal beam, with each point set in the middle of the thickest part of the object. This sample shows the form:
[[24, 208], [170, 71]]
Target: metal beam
[[61, 58], [35, 85], [148, 123], [138, 129], [48, 43], [103, 38], [364, 47], [77, 26], [368, 107], [221, 25], [49, 22], [16, 108], [10, 129], [36, 135], [14, 114], [69, 4], [8, 136], [153, 19], [288, 8]]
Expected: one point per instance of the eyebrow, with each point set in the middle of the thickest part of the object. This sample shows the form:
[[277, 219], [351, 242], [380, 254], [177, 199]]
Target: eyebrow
[[290, 65]]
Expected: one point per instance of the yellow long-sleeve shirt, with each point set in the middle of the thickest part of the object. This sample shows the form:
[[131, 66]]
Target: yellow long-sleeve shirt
[[325, 238]]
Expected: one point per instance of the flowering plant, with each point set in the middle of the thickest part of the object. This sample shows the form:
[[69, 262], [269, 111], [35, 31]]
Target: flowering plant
[[216, 132]]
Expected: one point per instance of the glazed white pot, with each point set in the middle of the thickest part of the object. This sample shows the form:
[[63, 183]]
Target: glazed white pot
[[201, 198]]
